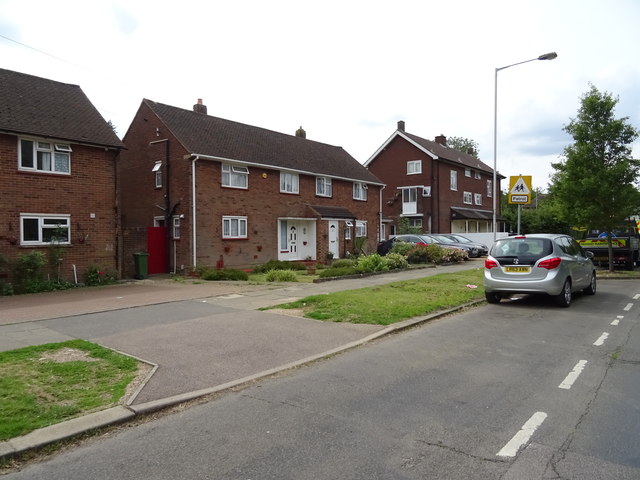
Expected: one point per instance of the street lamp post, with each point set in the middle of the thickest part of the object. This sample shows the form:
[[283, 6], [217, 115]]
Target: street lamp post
[[546, 56]]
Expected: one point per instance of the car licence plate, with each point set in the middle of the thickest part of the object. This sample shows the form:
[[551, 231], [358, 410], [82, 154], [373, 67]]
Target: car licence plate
[[517, 269]]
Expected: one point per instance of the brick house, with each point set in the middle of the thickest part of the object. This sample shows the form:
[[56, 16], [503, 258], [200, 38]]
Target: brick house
[[57, 174], [197, 190], [434, 187]]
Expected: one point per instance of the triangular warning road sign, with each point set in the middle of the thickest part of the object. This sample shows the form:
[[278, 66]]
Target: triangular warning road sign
[[520, 188]]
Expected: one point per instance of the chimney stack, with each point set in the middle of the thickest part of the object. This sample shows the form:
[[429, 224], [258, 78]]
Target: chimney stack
[[442, 140], [301, 133], [401, 125], [199, 107]]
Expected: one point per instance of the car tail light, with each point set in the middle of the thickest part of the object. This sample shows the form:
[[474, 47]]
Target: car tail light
[[489, 264], [550, 263]]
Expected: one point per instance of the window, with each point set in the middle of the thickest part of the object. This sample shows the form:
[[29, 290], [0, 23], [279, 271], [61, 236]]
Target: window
[[359, 191], [415, 223], [477, 175], [467, 172], [489, 188], [347, 230], [158, 174], [323, 186], [454, 180], [409, 200], [414, 166], [235, 176], [361, 229], [38, 229], [467, 197], [176, 228], [477, 198], [234, 227], [44, 156], [289, 182]]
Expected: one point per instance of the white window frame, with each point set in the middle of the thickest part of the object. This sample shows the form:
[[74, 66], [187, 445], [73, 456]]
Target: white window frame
[[234, 176], [157, 170], [414, 167], [477, 175], [467, 172], [453, 180], [489, 188], [234, 227], [360, 191], [289, 182], [323, 187], [44, 223], [466, 197], [42, 151], [409, 200], [347, 229], [361, 228], [415, 223], [175, 227], [477, 198]]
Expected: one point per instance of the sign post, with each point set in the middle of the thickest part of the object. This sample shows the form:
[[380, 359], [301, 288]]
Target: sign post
[[520, 192]]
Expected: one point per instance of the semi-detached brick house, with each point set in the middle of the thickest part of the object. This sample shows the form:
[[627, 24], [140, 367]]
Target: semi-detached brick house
[[57, 175], [201, 191], [434, 187]]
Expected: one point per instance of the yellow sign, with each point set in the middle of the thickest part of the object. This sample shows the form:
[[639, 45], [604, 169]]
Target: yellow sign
[[520, 189]]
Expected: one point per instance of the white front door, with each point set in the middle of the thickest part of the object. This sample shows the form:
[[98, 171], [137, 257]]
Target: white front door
[[296, 239], [334, 242]]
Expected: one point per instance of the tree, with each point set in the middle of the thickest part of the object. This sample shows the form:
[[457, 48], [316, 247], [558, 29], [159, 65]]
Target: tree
[[465, 145], [595, 183]]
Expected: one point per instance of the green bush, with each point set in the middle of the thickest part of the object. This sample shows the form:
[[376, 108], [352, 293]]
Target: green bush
[[224, 274], [279, 265], [402, 248], [99, 276], [396, 261], [337, 272], [426, 254], [371, 263], [454, 255], [281, 276], [343, 262]]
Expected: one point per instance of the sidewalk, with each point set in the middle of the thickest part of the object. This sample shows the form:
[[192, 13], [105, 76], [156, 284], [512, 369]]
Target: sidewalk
[[230, 342]]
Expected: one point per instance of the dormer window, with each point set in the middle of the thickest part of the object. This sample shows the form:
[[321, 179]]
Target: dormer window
[[41, 156]]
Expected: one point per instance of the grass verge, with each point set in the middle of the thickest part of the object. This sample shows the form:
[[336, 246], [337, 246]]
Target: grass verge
[[47, 384], [394, 302]]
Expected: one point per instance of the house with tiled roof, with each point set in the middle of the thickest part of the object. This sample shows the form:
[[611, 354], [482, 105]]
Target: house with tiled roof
[[201, 191], [57, 175], [432, 187]]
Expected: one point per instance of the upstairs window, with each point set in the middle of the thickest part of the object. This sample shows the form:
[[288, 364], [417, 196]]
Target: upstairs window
[[466, 197], [235, 176], [414, 167], [453, 176], [467, 172], [477, 175], [477, 198], [289, 182], [36, 229], [323, 186], [157, 171], [359, 191], [50, 157], [489, 188]]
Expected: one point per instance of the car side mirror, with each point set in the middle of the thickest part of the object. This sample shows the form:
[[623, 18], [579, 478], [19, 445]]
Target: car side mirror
[[588, 254]]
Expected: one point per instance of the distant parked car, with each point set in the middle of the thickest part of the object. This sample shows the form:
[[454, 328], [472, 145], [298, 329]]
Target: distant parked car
[[385, 246], [541, 264], [444, 241], [482, 248]]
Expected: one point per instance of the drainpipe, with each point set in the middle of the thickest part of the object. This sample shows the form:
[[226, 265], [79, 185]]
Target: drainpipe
[[193, 210], [380, 215]]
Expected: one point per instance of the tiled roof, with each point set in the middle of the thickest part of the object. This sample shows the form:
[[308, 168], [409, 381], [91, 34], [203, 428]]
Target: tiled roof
[[450, 154], [46, 108], [202, 134], [328, 211]]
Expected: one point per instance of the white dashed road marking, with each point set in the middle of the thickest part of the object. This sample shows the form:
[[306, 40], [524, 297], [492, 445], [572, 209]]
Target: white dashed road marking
[[573, 375], [523, 436], [601, 340], [628, 307], [636, 296]]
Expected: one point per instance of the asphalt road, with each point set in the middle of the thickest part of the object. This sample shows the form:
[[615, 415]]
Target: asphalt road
[[519, 390]]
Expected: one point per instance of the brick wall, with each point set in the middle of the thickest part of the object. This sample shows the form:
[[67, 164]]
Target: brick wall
[[87, 195]]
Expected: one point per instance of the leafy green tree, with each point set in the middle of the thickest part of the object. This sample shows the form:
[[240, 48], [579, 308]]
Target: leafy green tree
[[465, 145], [595, 184], [543, 215]]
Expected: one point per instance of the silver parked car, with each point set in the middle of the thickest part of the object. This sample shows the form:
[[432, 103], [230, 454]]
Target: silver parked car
[[542, 263]]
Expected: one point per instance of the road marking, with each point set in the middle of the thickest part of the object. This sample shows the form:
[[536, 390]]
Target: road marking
[[636, 296], [628, 307], [615, 323], [523, 436], [601, 340], [573, 375]]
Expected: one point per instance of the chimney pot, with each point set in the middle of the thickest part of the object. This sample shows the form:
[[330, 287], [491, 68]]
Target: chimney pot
[[301, 133], [442, 140], [401, 125]]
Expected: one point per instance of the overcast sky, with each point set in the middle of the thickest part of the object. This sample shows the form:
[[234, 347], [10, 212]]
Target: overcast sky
[[345, 70]]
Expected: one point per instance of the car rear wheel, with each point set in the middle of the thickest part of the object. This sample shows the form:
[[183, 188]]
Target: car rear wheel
[[564, 298], [492, 297], [591, 289]]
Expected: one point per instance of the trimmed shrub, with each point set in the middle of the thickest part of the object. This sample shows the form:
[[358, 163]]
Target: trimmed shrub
[[402, 248], [224, 274], [371, 263], [343, 262], [281, 276], [426, 254], [337, 272], [396, 261], [454, 255], [279, 265]]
